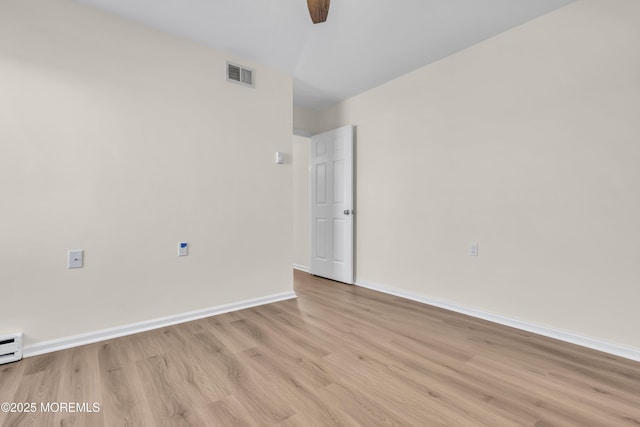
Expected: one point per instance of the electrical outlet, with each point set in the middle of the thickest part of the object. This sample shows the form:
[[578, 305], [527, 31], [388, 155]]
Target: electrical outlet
[[473, 249]]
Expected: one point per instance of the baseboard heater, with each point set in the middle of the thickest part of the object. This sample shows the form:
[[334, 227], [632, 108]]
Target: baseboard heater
[[10, 348]]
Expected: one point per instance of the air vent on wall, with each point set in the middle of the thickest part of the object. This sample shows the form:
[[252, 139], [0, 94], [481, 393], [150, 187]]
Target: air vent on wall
[[10, 348], [241, 75]]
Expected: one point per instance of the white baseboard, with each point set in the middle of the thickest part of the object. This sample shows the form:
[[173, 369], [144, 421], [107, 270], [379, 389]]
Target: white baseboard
[[301, 267], [134, 328], [611, 348]]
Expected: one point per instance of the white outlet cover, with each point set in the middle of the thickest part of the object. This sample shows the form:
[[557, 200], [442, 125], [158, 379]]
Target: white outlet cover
[[473, 249], [75, 258]]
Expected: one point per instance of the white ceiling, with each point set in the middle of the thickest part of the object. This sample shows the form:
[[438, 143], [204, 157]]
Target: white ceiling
[[363, 44]]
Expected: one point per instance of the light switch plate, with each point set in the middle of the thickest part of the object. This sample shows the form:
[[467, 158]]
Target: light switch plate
[[75, 258]]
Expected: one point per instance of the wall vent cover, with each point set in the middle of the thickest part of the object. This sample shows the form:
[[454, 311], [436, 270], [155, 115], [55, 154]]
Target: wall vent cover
[[240, 74], [10, 348]]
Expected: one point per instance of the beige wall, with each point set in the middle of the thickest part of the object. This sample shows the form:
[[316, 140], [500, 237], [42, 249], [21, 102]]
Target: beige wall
[[122, 141], [306, 121], [527, 143], [300, 201]]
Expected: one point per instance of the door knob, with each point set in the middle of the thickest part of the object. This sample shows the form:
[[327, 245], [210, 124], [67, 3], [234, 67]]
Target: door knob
[[347, 211]]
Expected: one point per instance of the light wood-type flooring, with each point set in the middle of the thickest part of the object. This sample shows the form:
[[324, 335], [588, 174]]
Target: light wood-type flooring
[[337, 355]]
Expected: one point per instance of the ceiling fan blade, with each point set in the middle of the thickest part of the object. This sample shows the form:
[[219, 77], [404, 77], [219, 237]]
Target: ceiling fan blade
[[318, 9]]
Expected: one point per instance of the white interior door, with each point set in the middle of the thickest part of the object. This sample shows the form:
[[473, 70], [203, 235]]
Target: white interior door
[[331, 196]]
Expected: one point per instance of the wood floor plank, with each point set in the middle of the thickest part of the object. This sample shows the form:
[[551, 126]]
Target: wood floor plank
[[338, 355], [302, 398], [10, 374], [291, 358], [168, 395], [229, 412], [41, 379], [81, 363], [124, 402], [266, 405], [362, 408]]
